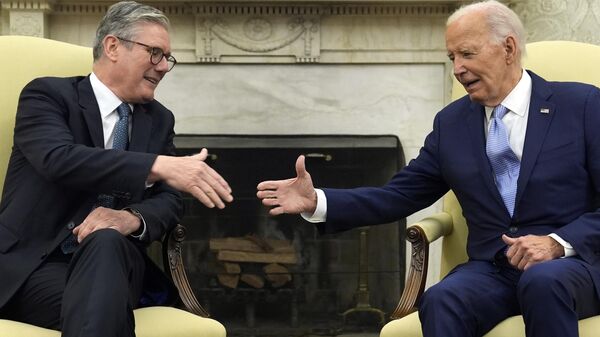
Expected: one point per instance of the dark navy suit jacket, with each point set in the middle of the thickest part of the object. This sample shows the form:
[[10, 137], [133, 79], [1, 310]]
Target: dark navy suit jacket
[[58, 166], [558, 186]]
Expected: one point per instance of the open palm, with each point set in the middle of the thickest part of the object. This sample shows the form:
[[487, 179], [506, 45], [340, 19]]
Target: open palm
[[291, 196]]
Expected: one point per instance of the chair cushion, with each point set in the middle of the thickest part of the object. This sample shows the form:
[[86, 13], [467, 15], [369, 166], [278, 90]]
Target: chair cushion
[[167, 322], [17, 329], [410, 326], [150, 322]]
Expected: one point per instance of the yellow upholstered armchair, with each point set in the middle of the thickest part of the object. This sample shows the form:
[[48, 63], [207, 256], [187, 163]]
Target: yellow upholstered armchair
[[25, 58], [554, 61]]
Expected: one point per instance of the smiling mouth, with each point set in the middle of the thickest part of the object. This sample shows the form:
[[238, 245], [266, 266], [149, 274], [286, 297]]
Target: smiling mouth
[[152, 80]]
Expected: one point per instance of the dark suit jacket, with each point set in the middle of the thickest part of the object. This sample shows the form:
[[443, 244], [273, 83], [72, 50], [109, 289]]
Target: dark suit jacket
[[58, 167], [558, 186]]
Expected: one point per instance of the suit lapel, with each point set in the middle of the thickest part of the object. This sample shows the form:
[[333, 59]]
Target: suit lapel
[[541, 114], [476, 124], [91, 112], [140, 129]]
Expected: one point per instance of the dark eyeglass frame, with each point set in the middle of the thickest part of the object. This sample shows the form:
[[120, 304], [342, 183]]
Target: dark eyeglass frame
[[154, 52]]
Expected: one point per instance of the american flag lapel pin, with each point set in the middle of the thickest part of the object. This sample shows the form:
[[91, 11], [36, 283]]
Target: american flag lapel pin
[[545, 110]]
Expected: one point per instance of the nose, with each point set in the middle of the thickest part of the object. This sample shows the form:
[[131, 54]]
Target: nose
[[163, 65], [458, 67]]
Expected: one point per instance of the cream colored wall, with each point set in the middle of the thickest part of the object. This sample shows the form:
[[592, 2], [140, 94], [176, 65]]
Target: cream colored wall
[[571, 20]]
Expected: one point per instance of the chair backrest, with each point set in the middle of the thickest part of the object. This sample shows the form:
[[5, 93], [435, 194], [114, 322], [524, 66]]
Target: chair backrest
[[554, 61], [23, 59]]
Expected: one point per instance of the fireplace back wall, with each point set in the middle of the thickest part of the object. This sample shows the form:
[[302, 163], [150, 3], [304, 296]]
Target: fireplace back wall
[[325, 278]]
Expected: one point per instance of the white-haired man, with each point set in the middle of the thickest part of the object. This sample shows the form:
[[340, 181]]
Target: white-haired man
[[522, 156]]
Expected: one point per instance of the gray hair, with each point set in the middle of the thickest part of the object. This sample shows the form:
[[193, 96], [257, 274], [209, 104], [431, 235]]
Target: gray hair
[[122, 20], [501, 20]]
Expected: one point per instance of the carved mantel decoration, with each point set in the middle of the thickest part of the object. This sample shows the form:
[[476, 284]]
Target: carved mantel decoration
[[278, 31], [257, 35], [281, 32]]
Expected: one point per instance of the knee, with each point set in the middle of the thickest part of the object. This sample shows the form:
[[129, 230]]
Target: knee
[[439, 296], [539, 283], [108, 246], [105, 241], [106, 237]]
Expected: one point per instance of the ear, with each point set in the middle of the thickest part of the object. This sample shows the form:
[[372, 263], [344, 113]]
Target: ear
[[511, 49], [111, 47]]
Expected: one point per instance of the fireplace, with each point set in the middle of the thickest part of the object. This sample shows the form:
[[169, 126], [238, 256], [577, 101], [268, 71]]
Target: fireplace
[[344, 282]]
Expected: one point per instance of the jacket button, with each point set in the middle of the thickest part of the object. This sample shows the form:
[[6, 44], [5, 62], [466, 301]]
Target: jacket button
[[513, 229], [70, 225]]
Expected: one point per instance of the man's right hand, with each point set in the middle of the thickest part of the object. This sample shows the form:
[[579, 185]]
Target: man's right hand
[[291, 196], [191, 174]]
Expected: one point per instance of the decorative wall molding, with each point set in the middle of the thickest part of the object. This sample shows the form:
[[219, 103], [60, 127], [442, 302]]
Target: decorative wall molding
[[264, 32], [325, 9], [283, 32], [27, 23], [419, 8], [257, 35], [26, 5], [26, 17], [80, 8], [574, 20]]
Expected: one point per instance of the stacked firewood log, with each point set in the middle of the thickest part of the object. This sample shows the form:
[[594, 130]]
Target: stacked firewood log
[[253, 261]]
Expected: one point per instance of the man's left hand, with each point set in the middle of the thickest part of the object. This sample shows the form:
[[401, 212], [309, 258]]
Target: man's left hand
[[526, 251], [120, 220]]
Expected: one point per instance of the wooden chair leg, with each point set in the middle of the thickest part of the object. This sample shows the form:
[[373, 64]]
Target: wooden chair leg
[[173, 261]]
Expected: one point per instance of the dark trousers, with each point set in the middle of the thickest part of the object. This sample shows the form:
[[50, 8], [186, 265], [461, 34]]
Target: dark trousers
[[476, 296], [91, 293]]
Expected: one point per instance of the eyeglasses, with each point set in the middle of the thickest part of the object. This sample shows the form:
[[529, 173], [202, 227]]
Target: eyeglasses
[[156, 54]]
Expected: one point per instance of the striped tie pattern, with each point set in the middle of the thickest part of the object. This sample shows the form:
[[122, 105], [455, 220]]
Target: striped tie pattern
[[120, 142], [503, 160]]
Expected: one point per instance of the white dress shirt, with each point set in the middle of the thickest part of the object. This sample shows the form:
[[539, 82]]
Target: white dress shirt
[[517, 102], [108, 103]]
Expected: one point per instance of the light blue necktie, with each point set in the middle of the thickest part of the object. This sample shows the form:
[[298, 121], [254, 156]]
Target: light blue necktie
[[120, 142], [503, 160]]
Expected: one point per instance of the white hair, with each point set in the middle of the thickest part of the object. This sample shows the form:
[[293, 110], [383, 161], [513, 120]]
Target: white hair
[[501, 20]]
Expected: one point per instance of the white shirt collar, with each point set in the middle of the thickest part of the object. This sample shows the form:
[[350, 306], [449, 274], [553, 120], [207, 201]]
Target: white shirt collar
[[517, 100], [107, 100]]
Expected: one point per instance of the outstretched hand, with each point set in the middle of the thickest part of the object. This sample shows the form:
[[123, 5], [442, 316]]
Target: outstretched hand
[[526, 251], [291, 196], [192, 175]]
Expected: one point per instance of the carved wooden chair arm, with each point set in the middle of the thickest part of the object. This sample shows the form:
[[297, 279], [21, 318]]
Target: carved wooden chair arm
[[420, 235], [173, 261]]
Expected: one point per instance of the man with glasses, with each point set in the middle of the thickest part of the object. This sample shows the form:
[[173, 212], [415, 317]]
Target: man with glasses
[[92, 181], [156, 54]]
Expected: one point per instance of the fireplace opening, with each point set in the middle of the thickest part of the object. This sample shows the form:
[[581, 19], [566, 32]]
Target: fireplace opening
[[276, 276]]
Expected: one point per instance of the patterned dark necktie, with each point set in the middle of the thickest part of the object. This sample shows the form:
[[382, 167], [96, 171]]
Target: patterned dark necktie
[[504, 161], [120, 142]]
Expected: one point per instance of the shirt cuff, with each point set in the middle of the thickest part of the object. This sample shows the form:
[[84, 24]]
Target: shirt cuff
[[320, 214], [569, 250], [142, 223]]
